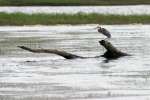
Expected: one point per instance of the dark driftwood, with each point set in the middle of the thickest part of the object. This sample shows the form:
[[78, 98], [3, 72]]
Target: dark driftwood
[[57, 52], [111, 52]]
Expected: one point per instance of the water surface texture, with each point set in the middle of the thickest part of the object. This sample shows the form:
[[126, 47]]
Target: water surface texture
[[121, 10], [30, 76]]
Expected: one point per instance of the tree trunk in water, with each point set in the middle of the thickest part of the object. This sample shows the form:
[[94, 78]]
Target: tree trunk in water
[[57, 52], [111, 51]]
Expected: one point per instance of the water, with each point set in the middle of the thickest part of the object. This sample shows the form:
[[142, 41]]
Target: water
[[125, 10], [30, 76]]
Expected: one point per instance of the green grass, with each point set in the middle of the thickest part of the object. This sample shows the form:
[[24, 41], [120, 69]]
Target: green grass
[[70, 2], [80, 18]]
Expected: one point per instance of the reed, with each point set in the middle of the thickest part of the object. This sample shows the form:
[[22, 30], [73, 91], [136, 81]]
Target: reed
[[79, 18], [70, 2]]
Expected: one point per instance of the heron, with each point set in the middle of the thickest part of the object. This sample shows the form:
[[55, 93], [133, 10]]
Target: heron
[[104, 31]]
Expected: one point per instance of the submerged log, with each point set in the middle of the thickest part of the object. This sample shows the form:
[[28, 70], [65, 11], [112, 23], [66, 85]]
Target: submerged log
[[57, 52], [111, 53]]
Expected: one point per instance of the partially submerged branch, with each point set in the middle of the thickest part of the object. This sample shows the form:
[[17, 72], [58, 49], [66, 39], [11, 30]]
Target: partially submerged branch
[[57, 52], [111, 53]]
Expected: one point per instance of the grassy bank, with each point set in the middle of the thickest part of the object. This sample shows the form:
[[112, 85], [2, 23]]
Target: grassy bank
[[80, 18], [70, 2]]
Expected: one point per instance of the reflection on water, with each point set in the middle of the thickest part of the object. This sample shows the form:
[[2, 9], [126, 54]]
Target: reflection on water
[[25, 75]]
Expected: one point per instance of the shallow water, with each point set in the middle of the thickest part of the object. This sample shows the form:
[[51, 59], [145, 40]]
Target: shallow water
[[125, 10], [25, 75]]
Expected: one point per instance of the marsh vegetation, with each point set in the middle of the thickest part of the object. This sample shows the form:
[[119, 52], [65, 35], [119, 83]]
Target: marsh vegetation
[[70, 2], [79, 18]]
